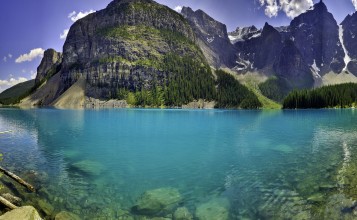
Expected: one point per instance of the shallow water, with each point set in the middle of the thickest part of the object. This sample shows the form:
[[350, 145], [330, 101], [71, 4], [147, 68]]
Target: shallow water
[[266, 164]]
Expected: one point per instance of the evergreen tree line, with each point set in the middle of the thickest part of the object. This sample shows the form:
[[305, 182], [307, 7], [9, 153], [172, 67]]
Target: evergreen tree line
[[232, 94], [273, 89], [342, 96], [192, 82]]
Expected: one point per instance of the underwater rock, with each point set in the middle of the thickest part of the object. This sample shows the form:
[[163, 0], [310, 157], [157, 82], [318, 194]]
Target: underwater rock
[[89, 167], [13, 199], [213, 210], [124, 215], [70, 154], [64, 215], [339, 207], [149, 218], [182, 213], [156, 201], [23, 213], [45, 207], [327, 187], [283, 148], [43, 192], [316, 198]]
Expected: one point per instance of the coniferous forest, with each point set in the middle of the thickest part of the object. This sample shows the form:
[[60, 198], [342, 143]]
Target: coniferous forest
[[334, 96], [232, 94]]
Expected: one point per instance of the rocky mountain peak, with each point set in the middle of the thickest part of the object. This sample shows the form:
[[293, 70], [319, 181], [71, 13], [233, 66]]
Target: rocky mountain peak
[[320, 6], [243, 33], [268, 29], [213, 37], [316, 35], [119, 2], [51, 59]]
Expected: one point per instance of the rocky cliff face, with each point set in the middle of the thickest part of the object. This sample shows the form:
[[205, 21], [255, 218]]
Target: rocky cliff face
[[212, 38], [125, 46], [316, 35], [314, 39], [259, 51], [270, 44], [50, 65], [290, 67], [349, 36]]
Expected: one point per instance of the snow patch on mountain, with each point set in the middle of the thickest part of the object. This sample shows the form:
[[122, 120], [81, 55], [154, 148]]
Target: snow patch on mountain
[[315, 70], [242, 34], [347, 58]]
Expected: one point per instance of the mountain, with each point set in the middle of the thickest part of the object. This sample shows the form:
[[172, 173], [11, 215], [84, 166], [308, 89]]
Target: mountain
[[212, 38], [244, 33], [316, 35], [260, 51], [50, 64], [150, 55], [291, 67], [131, 46], [313, 50], [139, 53], [348, 30], [16, 93]]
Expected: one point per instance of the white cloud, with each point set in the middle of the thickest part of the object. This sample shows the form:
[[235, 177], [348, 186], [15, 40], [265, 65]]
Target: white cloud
[[33, 74], [63, 36], [74, 16], [291, 8], [38, 52], [6, 58], [5, 84], [271, 8], [354, 2], [179, 8]]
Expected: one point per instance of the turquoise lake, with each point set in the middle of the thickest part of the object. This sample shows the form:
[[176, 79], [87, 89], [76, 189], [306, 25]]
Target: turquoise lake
[[254, 164]]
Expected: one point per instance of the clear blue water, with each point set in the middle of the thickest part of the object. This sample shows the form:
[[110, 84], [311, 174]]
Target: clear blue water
[[266, 164]]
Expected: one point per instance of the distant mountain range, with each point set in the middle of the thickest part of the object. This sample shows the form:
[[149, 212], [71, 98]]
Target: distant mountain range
[[149, 55]]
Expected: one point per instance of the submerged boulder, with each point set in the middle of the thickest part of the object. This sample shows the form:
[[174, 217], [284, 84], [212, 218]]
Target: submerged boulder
[[213, 210], [64, 215], [13, 199], [45, 207], [182, 213], [89, 167], [23, 213], [157, 201]]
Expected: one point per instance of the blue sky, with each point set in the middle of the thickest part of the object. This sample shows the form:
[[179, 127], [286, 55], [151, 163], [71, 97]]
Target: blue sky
[[31, 26]]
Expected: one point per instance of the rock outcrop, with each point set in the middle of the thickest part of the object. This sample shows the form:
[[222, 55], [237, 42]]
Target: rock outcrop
[[64, 215], [212, 38], [23, 213], [213, 209], [157, 201], [182, 213], [49, 66]]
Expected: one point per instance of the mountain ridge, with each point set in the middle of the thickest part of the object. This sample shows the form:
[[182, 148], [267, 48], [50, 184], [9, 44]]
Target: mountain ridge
[[135, 48]]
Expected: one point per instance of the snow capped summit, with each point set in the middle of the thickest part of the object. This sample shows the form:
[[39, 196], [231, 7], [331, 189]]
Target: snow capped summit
[[244, 33]]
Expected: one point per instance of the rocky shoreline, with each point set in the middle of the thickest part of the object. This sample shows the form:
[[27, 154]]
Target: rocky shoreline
[[157, 204]]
